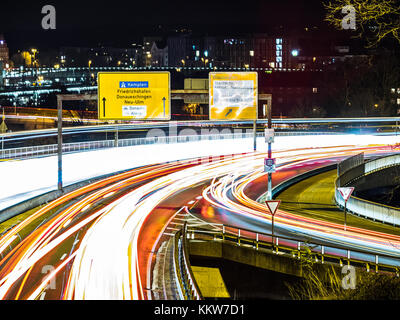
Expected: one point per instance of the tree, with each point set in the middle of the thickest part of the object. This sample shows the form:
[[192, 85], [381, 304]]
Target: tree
[[375, 19]]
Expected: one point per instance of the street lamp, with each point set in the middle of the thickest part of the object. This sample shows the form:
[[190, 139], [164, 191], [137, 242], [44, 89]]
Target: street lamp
[[205, 61], [34, 64], [89, 64], [34, 51]]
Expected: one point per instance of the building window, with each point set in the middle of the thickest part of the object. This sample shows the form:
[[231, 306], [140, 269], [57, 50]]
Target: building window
[[315, 90]]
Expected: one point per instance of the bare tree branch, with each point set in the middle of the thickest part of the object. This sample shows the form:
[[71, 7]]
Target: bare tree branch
[[375, 19]]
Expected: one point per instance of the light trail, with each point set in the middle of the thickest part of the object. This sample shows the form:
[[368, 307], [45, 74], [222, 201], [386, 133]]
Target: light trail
[[111, 259]]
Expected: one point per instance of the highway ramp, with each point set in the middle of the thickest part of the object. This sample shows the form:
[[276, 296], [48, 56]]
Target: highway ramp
[[314, 198]]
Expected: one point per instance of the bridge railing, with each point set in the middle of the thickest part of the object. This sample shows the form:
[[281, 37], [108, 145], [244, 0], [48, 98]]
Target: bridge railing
[[47, 150], [320, 252], [183, 268], [362, 207]]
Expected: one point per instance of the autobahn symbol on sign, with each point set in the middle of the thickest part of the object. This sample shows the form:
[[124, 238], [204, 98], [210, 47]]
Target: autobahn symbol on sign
[[346, 192]]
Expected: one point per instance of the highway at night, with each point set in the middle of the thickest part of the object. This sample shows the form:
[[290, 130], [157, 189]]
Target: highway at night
[[101, 239], [199, 160]]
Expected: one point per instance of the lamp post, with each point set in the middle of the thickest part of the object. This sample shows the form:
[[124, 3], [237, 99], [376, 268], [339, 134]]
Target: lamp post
[[205, 61], [89, 64], [35, 74]]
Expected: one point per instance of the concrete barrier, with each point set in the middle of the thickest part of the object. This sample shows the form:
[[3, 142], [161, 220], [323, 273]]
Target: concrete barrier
[[362, 207]]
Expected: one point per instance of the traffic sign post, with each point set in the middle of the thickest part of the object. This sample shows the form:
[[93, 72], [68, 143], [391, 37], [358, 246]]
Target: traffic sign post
[[269, 138], [272, 206], [345, 192], [134, 95]]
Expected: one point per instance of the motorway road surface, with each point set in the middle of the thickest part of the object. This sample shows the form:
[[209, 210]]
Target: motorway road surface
[[100, 241]]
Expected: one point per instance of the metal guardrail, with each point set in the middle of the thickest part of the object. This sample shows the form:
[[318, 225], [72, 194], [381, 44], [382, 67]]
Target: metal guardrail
[[362, 207], [273, 244], [47, 150], [294, 248], [183, 268]]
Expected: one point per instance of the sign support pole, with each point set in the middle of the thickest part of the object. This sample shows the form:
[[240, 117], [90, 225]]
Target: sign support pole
[[116, 137], [255, 135], [272, 232], [273, 207], [59, 142], [269, 194], [345, 215]]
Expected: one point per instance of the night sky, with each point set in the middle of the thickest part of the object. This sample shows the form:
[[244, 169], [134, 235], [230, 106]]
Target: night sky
[[120, 23]]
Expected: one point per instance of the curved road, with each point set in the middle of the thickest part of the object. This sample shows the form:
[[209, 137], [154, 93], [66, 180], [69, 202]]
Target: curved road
[[100, 241]]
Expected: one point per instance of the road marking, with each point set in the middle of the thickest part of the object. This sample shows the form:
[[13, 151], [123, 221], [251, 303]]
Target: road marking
[[63, 256], [42, 296]]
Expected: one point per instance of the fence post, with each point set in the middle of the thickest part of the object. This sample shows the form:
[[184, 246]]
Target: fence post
[[298, 250], [257, 241], [322, 254]]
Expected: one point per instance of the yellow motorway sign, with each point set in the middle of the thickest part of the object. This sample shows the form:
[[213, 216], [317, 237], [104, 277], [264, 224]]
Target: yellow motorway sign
[[134, 95], [233, 95]]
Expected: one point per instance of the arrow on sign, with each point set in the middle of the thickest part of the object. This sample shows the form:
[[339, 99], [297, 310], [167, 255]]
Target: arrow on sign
[[104, 107], [273, 205], [163, 99], [346, 192], [229, 112]]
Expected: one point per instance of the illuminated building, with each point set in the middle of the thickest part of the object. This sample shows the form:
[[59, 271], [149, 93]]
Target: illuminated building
[[4, 53]]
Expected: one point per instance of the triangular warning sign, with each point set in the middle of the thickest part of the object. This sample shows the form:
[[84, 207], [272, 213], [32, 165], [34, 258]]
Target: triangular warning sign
[[273, 205], [346, 192]]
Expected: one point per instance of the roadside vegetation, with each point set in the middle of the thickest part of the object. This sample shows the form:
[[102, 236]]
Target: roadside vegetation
[[368, 285]]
